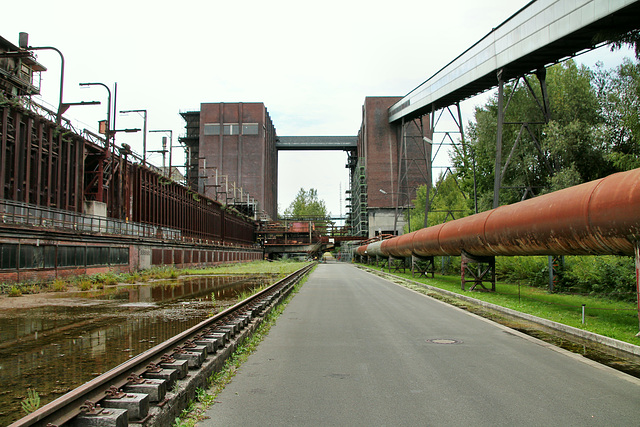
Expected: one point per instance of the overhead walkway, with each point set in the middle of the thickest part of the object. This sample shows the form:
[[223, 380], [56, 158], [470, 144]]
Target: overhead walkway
[[344, 143], [541, 33]]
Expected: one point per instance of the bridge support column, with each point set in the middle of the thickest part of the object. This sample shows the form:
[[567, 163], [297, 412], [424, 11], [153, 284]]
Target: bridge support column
[[422, 266], [556, 262], [480, 268], [637, 253], [376, 261]]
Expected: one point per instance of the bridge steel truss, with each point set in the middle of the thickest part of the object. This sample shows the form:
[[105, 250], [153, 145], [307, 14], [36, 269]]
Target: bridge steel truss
[[542, 101], [543, 32]]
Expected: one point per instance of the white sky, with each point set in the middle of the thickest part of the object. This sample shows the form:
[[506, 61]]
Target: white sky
[[312, 64]]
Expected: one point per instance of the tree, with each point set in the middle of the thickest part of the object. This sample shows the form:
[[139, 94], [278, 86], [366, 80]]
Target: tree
[[566, 151], [307, 204], [619, 97], [448, 202]]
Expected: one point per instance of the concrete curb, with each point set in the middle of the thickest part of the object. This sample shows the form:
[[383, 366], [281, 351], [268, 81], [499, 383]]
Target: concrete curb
[[570, 330]]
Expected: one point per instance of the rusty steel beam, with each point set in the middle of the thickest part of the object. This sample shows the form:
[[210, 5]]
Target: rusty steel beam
[[38, 162], [15, 179], [27, 156], [49, 183], [4, 155]]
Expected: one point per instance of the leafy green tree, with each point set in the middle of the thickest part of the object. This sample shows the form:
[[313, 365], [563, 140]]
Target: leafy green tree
[[568, 150], [619, 95], [307, 204], [448, 202]]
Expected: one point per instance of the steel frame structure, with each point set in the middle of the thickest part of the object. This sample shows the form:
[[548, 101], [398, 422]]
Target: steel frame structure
[[52, 166]]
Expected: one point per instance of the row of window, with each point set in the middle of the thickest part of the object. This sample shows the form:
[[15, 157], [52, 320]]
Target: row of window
[[231, 128], [14, 256]]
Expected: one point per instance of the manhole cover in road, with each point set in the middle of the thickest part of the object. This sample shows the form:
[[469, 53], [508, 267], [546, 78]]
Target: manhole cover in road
[[444, 341]]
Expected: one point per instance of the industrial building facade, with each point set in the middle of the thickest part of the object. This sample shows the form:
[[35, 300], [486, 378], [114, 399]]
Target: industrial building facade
[[232, 155], [233, 146], [391, 162]]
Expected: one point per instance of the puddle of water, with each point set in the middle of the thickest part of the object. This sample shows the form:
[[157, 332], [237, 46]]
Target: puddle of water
[[55, 348]]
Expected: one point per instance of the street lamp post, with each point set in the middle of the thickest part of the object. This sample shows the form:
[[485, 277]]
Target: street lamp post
[[24, 44], [144, 133], [170, 132], [107, 132]]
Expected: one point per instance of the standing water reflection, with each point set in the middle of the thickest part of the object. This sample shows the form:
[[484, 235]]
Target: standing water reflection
[[57, 343]]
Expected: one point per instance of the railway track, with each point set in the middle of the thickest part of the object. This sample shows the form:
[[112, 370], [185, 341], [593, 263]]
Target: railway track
[[152, 388]]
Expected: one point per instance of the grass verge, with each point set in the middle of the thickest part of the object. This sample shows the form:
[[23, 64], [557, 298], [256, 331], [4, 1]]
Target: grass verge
[[206, 398], [615, 319]]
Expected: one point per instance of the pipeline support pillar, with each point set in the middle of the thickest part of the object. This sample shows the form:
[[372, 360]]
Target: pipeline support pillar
[[395, 265], [480, 268], [637, 254], [422, 266]]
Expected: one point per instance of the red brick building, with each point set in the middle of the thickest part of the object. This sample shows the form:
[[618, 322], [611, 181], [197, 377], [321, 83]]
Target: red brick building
[[232, 147], [391, 164]]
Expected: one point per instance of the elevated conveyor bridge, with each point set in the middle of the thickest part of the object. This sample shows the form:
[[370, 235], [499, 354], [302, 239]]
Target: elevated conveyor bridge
[[344, 143], [541, 33]]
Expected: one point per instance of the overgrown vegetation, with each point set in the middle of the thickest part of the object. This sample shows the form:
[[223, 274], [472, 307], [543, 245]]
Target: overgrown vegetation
[[611, 277], [283, 267]]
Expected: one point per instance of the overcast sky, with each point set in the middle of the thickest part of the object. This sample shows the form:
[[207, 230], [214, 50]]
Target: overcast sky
[[311, 64]]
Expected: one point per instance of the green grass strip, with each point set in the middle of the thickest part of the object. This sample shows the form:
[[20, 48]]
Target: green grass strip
[[614, 319]]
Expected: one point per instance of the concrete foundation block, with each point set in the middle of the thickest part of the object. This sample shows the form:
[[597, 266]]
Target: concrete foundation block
[[194, 359], [180, 365], [225, 331], [155, 388], [111, 417], [210, 343], [136, 404], [220, 337], [169, 375]]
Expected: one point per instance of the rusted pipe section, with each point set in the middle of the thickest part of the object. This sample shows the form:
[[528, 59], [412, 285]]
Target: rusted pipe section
[[600, 217], [362, 250]]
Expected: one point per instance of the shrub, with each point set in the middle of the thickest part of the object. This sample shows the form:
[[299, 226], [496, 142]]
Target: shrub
[[15, 291], [532, 270], [611, 276], [58, 285], [105, 279], [85, 284]]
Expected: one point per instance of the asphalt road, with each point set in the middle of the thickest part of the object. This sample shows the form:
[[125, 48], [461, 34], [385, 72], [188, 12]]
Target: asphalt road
[[352, 349]]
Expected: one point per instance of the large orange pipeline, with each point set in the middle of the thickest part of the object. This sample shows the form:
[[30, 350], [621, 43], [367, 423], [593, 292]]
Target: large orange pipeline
[[600, 217]]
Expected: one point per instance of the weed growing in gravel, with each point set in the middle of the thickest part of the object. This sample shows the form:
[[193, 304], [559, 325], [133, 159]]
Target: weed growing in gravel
[[85, 284], [250, 292], [59, 285], [15, 291], [254, 267]]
